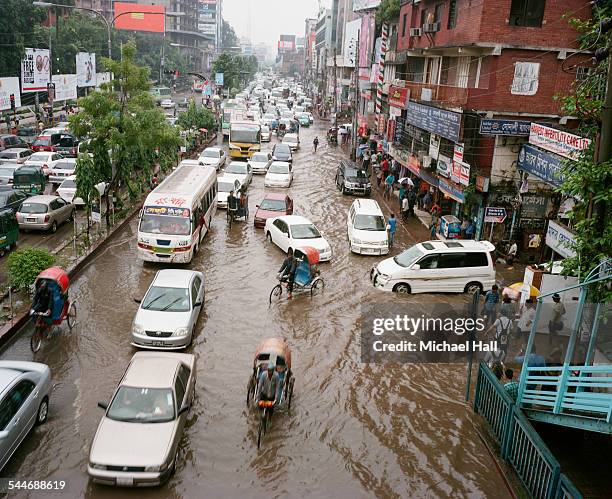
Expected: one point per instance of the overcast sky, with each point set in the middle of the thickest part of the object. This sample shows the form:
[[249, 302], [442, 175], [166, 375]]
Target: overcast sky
[[270, 18]]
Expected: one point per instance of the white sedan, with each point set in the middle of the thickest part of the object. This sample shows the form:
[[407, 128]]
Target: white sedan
[[225, 185], [213, 156], [279, 175], [61, 170], [46, 160], [67, 191], [260, 162], [292, 231], [292, 140], [239, 171]]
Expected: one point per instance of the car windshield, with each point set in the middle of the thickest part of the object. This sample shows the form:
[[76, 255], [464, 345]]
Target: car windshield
[[64, 165], [354, 173], [259, 158], [164, 224], [25, 132], [42, 141], [225, 186], [238, 168], [290, 139], [68, 184], [273, 205], [244, 135], [163, 299], [304, 231], [408, 257], [66, 142], [265, 129], [369, 222], [210, 154], [142, 405], [37, 156], [276, 168], [33, 208], [8, 155], [282, 148]]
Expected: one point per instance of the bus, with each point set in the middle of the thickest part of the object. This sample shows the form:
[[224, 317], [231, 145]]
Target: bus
[[245, 139], [177, 214]]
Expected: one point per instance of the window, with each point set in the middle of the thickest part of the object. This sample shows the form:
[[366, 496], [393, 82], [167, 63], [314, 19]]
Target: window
[[429, 262], [179, 390], [527, 13], [451, 260], [438, 13], [582, 73], [526, 75], [194, 293], [404, 22], [13, 401], [476, 260], [452, 14], [423, 17], [183, 375]]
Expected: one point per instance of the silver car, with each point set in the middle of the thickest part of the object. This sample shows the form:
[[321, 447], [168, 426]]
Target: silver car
[[6, 172], [17, 155], [169, 310], [136, 443], [44, 213], [24, 402]]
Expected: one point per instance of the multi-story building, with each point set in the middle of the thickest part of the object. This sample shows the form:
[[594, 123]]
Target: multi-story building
[[323, 43]]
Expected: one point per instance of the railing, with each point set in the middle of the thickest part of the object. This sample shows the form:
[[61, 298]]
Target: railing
[[520, 445], [442, 94]]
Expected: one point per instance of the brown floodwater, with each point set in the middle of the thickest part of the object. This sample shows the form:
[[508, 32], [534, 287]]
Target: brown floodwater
[[355, 430]]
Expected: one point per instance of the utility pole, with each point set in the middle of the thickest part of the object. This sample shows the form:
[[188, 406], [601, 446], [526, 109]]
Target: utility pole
[[50, 89], [356, 102], [335, 119]]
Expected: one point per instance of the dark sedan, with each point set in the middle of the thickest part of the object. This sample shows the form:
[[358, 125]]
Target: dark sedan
[[282, 152]]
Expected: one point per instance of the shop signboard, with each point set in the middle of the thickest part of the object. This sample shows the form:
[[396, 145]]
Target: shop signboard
[[515, 128], [435, 120], [541, 164], [9, 86], [35, 70], [482, 183], [414, 165], [399, 130], [534, 206], [219, 79], [359, 5], [560, 239], [494, 214], [394, 111], [451, 190], [398, 96], [434, 146], [563, 143], [444, 166], [456, 172], [464, 177], [139, 17]]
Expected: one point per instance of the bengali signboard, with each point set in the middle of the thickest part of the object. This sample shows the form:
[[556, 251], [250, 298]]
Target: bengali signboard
[[516, 128], [435, 120], [534, 206], [560, 239], [541, 164], [219, 79], [398, 96], [451, 190], [495, 215], [86, 69], [171, 211], [563, 143], [65, 87], [207, 29], [9, 86], [35, 70], [434, 146]]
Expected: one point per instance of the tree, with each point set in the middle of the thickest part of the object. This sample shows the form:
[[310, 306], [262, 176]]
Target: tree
[[228, 35], [387, 11], [236, 69], [196, 117]]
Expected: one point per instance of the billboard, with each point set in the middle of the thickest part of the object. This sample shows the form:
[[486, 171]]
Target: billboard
[[65, 87], [219, 79], [563, 143], [207, 29], [86, 69], [349, 52], [286, 43], [9, 86], [365, 4], [102, 78], [140, 17], [35, 70], [366, 41]]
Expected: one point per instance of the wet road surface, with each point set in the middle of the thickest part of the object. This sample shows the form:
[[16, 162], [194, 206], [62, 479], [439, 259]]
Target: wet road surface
[[355, 430]]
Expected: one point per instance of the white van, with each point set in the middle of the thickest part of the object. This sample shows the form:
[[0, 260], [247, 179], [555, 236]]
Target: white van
[[366, 228], [438, 266]]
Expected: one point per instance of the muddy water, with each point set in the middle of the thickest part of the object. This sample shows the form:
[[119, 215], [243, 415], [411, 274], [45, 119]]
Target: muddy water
[[355, 430]]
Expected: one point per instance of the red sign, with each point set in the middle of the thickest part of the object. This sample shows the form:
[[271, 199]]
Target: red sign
[[398, 96], [140, 17]]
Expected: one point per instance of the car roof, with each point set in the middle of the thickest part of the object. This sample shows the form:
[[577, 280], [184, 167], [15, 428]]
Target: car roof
[[44, 198], [276, 195], [167, 278], [455, 246], [367, 207], [155, 371], [7, 376], [295, 219], [16, 149], [213, 149]]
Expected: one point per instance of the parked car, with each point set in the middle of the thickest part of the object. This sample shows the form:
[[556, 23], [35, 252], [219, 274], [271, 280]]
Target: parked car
[[279, 175], [11, 199], [438, 266], [67, 146], [46, 160], [27, 133], [67, 191], [24, 402], [169, 310], [240, 171], [17, 155], [136, 443], [366, 228], [7, 141], [7, 170], [351, 178], [260, 161], [272, 205], [213, 156], [46, 141], [282, 152], [225, 185], [44, 213], [292, 231], [292, 140], [61, 170]]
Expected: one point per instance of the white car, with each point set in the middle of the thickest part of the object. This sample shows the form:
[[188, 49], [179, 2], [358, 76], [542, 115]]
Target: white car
[[239, 171], [279, 175], [67, 191], [61, 170], [169, 310], [266, 134], [213, 156], [46, 160], [292, 231], [167, 103], [292, 140], [225, 185], [260, 162], [17, 155], [366, 228], [310, 117]]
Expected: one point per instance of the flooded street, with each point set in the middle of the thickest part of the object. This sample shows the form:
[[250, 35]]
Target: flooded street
[[355, 430]]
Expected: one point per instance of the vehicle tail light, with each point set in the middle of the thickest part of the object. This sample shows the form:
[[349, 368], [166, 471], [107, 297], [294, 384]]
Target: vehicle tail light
[[145, 246], [46, 218], [182, 249]]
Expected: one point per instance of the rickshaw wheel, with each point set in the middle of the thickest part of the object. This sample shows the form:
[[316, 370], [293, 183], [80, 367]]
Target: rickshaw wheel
[[72, 316], [250, 390], [36, 339], [276, 293], [291, 383], [317, 285]]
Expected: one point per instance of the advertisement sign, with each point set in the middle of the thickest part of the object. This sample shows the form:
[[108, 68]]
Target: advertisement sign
[[541, 164], [434, 146], [35, 70], [563, 143], [398, 96], [140, 17], [366, 40], [439, 121], [65, 87], [286, 43], [456, 172], [495, 215], [464, 178], [560, 239], [359, 5], [86, 69], [458, 153], [102, 78], [516, 128], [349, 45], [219, 79], [444, 166], [482, 183], [207, 29], [451, 190], [8, 87]]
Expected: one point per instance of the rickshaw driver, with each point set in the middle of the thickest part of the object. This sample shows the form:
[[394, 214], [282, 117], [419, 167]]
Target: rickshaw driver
[[42, 301], [267, 385], [287, 271]]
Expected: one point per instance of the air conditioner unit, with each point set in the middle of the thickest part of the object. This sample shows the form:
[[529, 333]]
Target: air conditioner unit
[[431, 27], [415, 31]]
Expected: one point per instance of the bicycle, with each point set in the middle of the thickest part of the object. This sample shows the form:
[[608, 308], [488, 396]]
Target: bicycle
[[44, 329], [265, 414]]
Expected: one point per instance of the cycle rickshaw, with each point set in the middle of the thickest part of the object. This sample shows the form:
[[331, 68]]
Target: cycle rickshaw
[[307, 274], [238, 207]]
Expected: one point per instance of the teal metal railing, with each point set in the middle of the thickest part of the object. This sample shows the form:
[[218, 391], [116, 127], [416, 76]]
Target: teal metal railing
[[566, 489]]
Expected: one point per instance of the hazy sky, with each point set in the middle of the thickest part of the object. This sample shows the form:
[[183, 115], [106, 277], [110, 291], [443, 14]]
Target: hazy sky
[[270, 18]]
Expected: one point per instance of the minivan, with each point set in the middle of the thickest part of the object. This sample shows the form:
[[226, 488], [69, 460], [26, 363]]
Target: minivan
[[366, 228], [438, 266]]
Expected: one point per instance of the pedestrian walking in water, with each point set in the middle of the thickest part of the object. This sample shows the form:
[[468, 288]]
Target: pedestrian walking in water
[[391, 228]]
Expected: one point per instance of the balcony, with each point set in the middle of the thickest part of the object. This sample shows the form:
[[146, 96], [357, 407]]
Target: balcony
[[446, 95]]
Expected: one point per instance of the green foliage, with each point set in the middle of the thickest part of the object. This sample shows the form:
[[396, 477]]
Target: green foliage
[[387, 11], [237, 69], [228, 35], [196, 117], [24, 265]]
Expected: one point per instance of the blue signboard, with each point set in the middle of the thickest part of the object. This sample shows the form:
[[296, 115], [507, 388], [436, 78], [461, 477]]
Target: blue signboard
[[219, 79], [435, 120], [450, 189], [542, 164], [505, 127]]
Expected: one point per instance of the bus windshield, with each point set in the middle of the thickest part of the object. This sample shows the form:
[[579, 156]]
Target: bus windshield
[[164, 224], [245, 135]]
